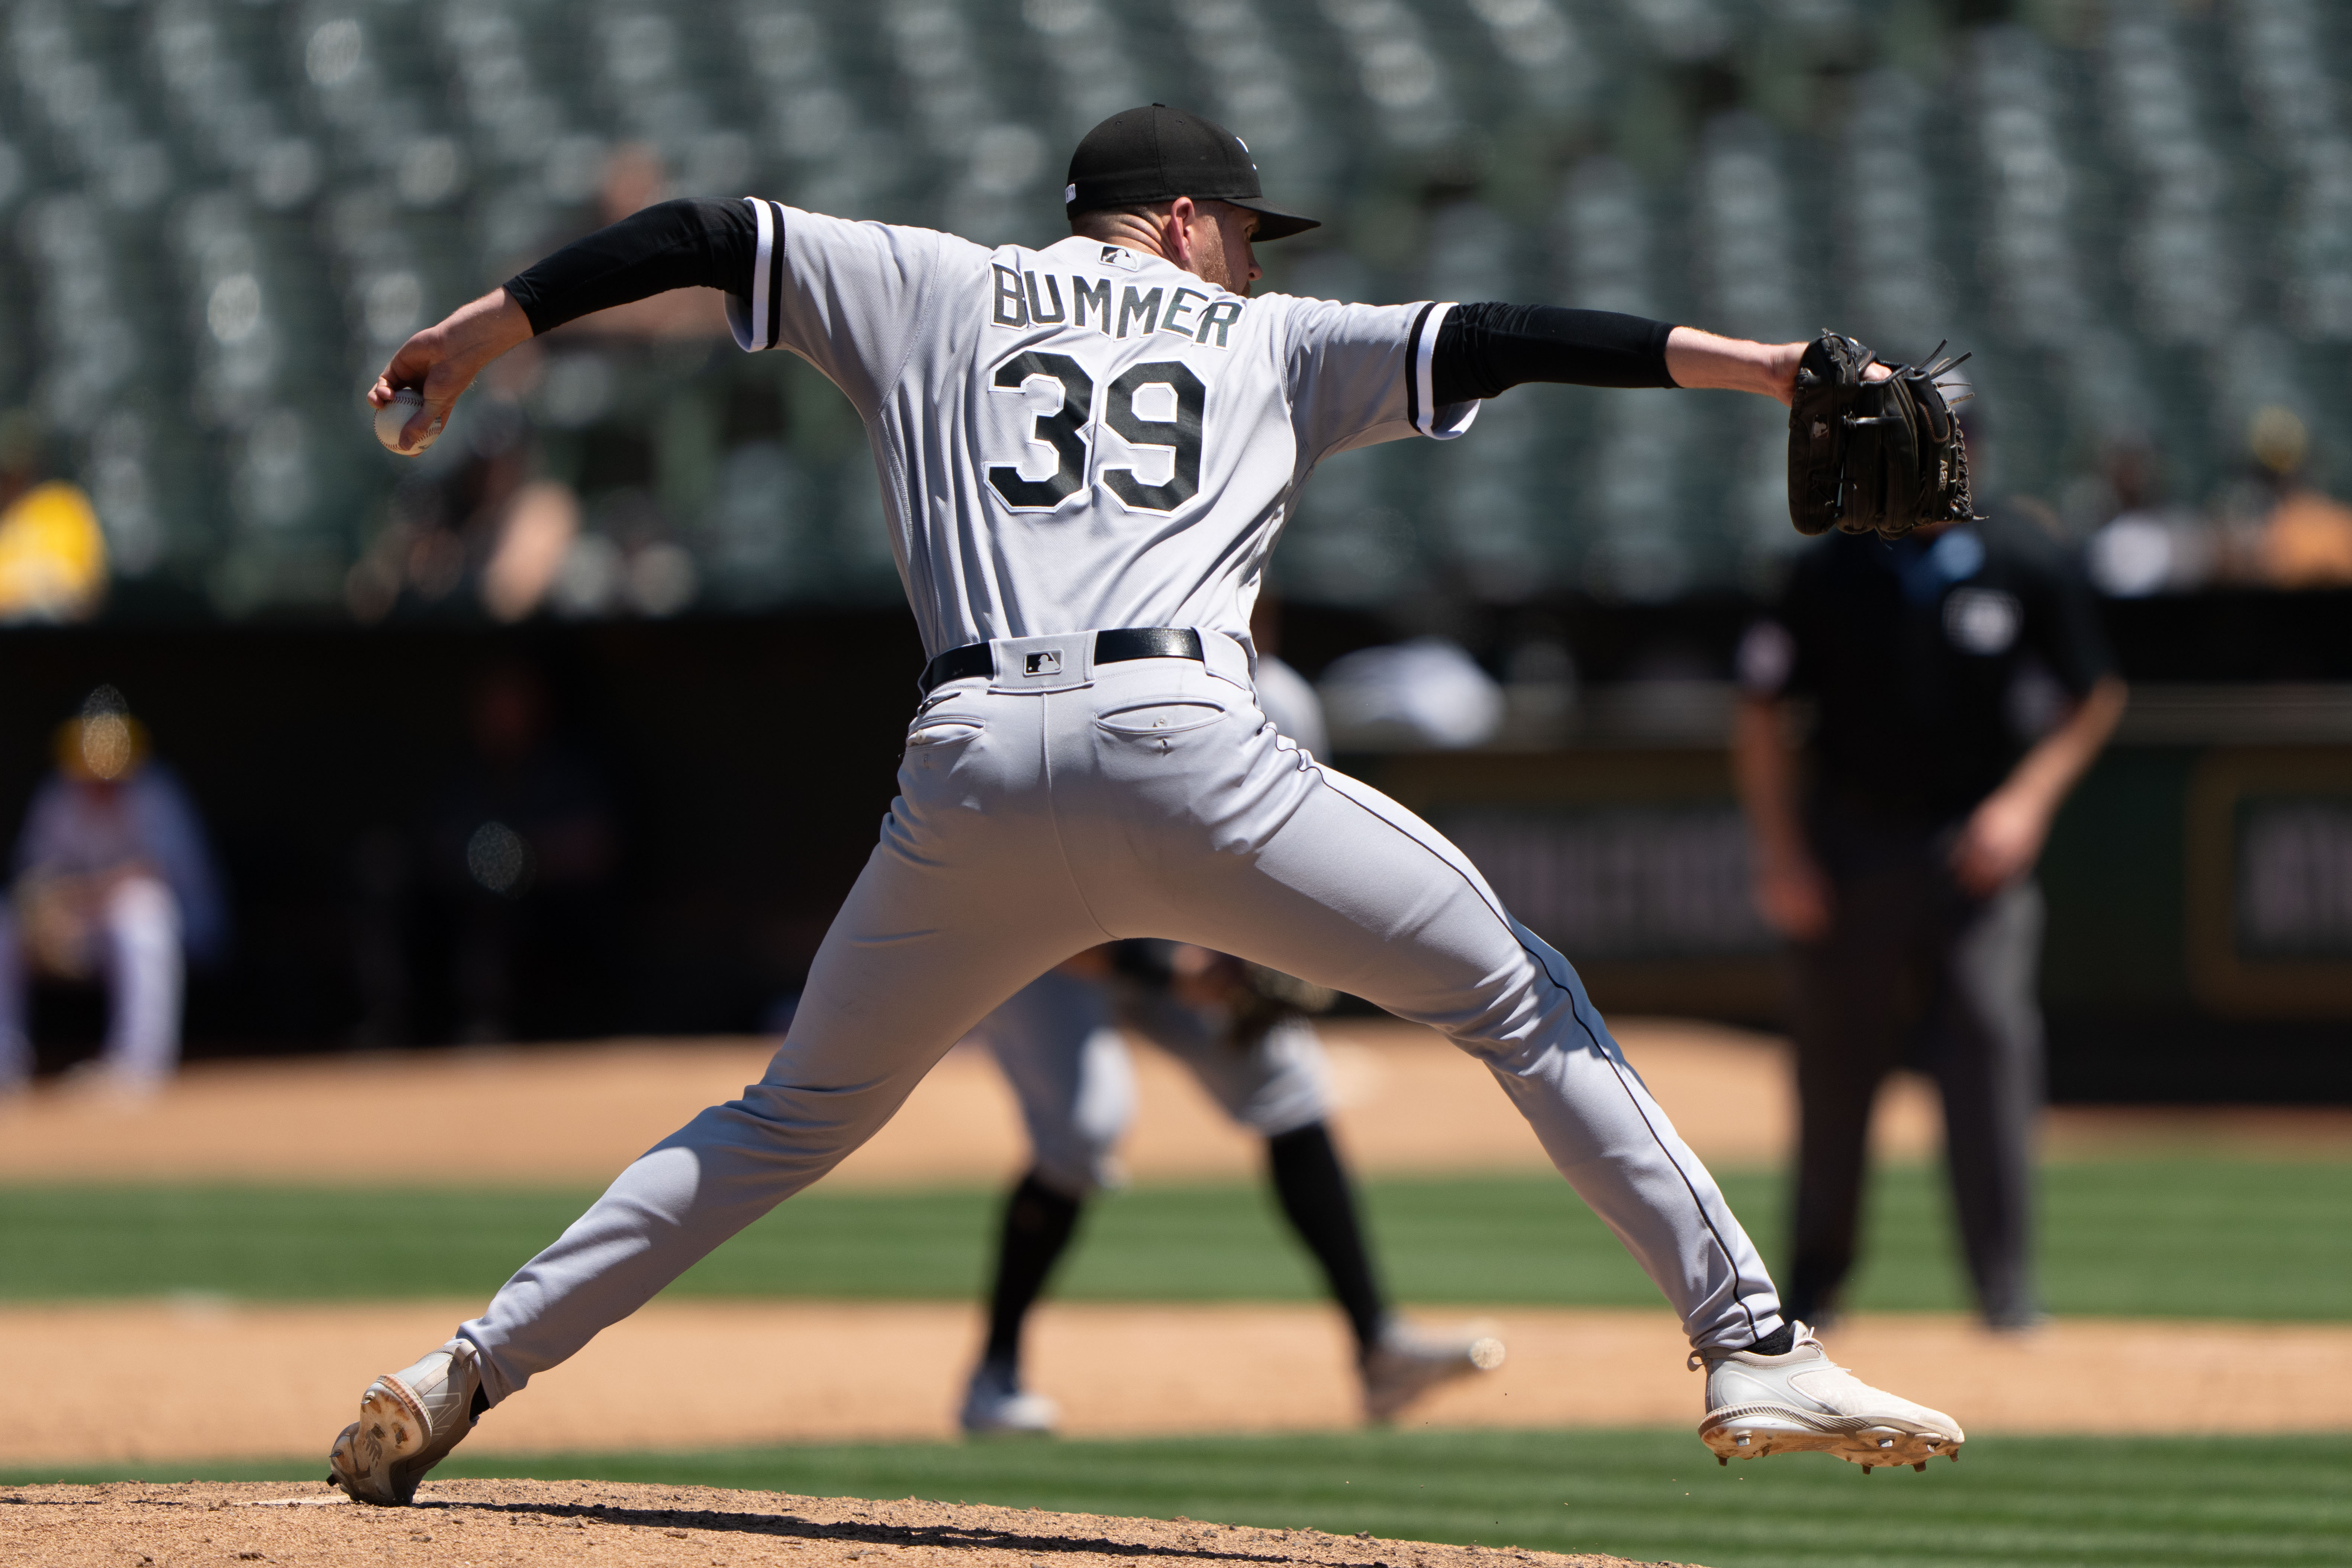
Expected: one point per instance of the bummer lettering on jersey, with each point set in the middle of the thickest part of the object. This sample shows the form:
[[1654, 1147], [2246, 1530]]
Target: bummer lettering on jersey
[[1023, 299]]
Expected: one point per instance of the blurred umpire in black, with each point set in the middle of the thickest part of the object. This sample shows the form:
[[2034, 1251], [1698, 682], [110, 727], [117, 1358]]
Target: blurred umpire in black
[[1960, 687]]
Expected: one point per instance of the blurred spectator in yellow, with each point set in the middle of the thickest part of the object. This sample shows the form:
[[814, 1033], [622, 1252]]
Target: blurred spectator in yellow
[[1960, 687], [112, 882], [52, 552], [2306, 540]]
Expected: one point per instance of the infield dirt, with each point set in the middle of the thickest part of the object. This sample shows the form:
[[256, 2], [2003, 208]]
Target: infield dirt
[[134, 1383], [527, 1523], [106, 1383]]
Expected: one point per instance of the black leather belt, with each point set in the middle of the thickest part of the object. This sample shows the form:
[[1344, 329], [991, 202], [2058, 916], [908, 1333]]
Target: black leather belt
[[1110, 648]]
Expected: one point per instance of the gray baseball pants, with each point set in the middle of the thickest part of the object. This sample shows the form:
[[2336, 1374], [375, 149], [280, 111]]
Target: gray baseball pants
[[1058, 805], [1059, 1043]]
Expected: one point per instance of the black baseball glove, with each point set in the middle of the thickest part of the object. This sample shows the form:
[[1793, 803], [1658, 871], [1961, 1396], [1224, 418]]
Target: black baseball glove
[[1872, 456]]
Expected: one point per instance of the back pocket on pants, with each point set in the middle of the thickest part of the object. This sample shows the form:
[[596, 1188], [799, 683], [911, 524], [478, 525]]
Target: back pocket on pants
[[1168, 716]]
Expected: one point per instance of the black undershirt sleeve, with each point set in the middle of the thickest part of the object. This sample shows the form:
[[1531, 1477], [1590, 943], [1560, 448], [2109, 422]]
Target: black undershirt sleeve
[[1488, 348], [696, 242]]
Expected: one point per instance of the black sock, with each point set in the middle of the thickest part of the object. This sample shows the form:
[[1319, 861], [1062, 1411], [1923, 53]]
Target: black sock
[[1315, 1196], [481, 1403], [1780, 1341], [1038, 1223]]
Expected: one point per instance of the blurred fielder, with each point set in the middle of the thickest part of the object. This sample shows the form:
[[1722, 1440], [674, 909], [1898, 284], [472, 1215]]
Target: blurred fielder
[[1244, 1034]]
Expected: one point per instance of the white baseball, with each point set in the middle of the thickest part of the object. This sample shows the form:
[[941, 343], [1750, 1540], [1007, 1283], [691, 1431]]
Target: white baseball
[[393, 416]]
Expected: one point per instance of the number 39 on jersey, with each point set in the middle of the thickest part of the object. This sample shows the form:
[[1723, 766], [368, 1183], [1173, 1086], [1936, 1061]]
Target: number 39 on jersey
[[1154, 408]]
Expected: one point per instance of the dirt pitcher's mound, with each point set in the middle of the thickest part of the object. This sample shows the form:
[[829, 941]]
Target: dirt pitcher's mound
[[570, 1522]]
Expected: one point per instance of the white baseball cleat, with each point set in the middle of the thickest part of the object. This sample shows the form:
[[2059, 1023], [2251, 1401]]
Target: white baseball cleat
[[996, 1405], [1408, 1363], [1759, 1405], [408, 1423]]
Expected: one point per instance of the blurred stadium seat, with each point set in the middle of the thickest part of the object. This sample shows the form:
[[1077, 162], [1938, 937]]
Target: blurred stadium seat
[[220, 215]]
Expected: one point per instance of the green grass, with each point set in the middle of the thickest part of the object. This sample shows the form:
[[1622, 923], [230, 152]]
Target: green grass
[[2179, 1239], [2018, 1502]]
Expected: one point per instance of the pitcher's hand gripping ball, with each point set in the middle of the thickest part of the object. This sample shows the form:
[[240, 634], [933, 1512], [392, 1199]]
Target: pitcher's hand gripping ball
[[394, 417], [1865, 455]]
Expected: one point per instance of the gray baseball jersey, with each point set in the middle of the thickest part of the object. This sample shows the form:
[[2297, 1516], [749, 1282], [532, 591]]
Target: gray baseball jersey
[[1084, 436]]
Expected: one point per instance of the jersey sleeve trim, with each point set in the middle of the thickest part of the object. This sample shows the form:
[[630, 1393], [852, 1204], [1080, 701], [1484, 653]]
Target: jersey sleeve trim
[[1419, 351], [757, 322], [1439, 422]]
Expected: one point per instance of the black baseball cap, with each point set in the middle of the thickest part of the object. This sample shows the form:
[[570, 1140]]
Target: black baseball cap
[[1157, 153]]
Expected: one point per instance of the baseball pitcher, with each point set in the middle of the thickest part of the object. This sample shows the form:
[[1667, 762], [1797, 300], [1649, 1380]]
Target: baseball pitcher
[[1086, 453]]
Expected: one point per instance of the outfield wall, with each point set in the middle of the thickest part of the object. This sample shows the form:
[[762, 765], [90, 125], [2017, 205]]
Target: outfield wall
[[2200, 882]]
